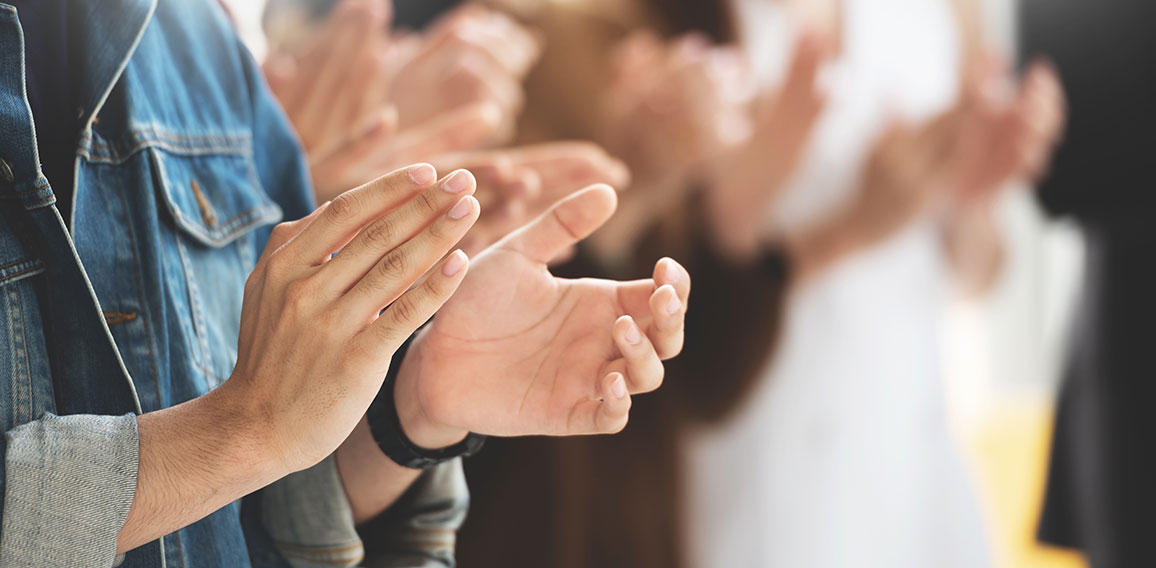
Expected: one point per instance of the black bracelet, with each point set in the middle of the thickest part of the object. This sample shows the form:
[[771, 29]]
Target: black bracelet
[[385, 426]]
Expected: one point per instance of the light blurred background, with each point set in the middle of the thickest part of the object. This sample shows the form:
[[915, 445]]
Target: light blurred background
[[1003, 352]]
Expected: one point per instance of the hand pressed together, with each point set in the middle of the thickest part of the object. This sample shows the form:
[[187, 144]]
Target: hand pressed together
[[315, 343], [520, 352]]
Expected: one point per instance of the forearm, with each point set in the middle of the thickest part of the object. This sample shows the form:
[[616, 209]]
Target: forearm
[[737, 224], [814, 249], [373, 482], [195, 458]]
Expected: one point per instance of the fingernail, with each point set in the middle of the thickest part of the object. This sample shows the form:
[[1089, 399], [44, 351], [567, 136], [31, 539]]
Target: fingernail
[[673, 306], [633, 334], [461, 209], [423, 174], [457, 182], [455, 263], [618, 387], [673, 275]]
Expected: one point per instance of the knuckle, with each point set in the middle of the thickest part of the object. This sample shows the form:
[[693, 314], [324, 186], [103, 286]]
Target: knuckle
[[356, 354], [279, 266], [404, 311], [386, 335], [427, 203], [438, 231], [343, 208], [393, 265], [253, 282], [298, 293], [436, 289], [282, 232], [381, 233]]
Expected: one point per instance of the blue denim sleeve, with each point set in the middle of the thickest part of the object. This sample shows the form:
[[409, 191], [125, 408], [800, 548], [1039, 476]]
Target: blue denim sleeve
[[69, 484]]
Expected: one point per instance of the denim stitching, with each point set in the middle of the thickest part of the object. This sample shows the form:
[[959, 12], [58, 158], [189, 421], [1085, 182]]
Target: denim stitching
[[23, 351], [115, 160], [198, 316], [140, 139], [42, 203], [19, 356], [22, 274], [140, 287]]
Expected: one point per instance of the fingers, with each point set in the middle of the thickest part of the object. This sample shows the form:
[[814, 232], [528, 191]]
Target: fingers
[[564, 166], [349, 212], [463, 129], [668, 315], [608, 415], [568, 222], [440, 209], [400, 268], [492, 34], [644, 370], [345, 60], [415, 307], [669, 272]]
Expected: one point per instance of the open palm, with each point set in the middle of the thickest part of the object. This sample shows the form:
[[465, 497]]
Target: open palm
[[517, 351]]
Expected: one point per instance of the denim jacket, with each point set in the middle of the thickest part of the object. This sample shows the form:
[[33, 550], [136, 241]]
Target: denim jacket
[[184, 163]]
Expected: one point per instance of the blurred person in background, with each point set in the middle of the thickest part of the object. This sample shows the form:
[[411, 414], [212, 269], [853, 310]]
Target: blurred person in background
[[842, 455], [847, 457], [902, 170], [1100, 495], [365, 100]]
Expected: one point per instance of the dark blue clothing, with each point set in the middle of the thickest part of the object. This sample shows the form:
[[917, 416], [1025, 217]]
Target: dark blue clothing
[[49, 71]]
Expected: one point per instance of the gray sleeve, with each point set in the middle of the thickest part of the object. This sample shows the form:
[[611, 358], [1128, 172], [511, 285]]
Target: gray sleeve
[[68, 485], [420, 530], [310, 520]]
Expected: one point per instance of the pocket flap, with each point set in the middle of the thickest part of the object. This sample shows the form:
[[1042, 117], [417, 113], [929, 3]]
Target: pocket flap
[[214, 198]]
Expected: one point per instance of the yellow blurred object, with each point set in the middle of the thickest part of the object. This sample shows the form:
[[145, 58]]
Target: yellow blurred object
[[1008, 449]]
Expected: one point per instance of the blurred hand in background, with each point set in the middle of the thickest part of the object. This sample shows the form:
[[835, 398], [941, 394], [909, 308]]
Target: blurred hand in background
[[751, 176], [365, 102]]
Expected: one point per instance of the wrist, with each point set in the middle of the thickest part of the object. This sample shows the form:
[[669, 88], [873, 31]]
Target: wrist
[[416, 422], [813, 249], [243, 434]]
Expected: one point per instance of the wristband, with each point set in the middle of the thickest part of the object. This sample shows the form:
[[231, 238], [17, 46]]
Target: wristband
[[385, 426]]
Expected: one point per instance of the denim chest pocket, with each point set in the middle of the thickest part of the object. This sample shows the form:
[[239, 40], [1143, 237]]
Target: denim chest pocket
[[217, 206]]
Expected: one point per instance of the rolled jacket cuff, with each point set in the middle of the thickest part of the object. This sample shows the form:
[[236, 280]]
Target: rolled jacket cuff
[[68, 486], [310, 519]]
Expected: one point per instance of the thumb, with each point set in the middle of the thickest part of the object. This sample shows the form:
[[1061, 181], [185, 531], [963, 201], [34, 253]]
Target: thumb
[[568, 222]]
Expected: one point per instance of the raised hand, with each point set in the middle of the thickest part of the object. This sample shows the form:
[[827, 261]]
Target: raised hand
[[673, 106], [516, 185], [1013, 130], [381, 148], [471, 56], [751, 176], [520, 352], [335, 86], [671, 109], [315, 343]]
